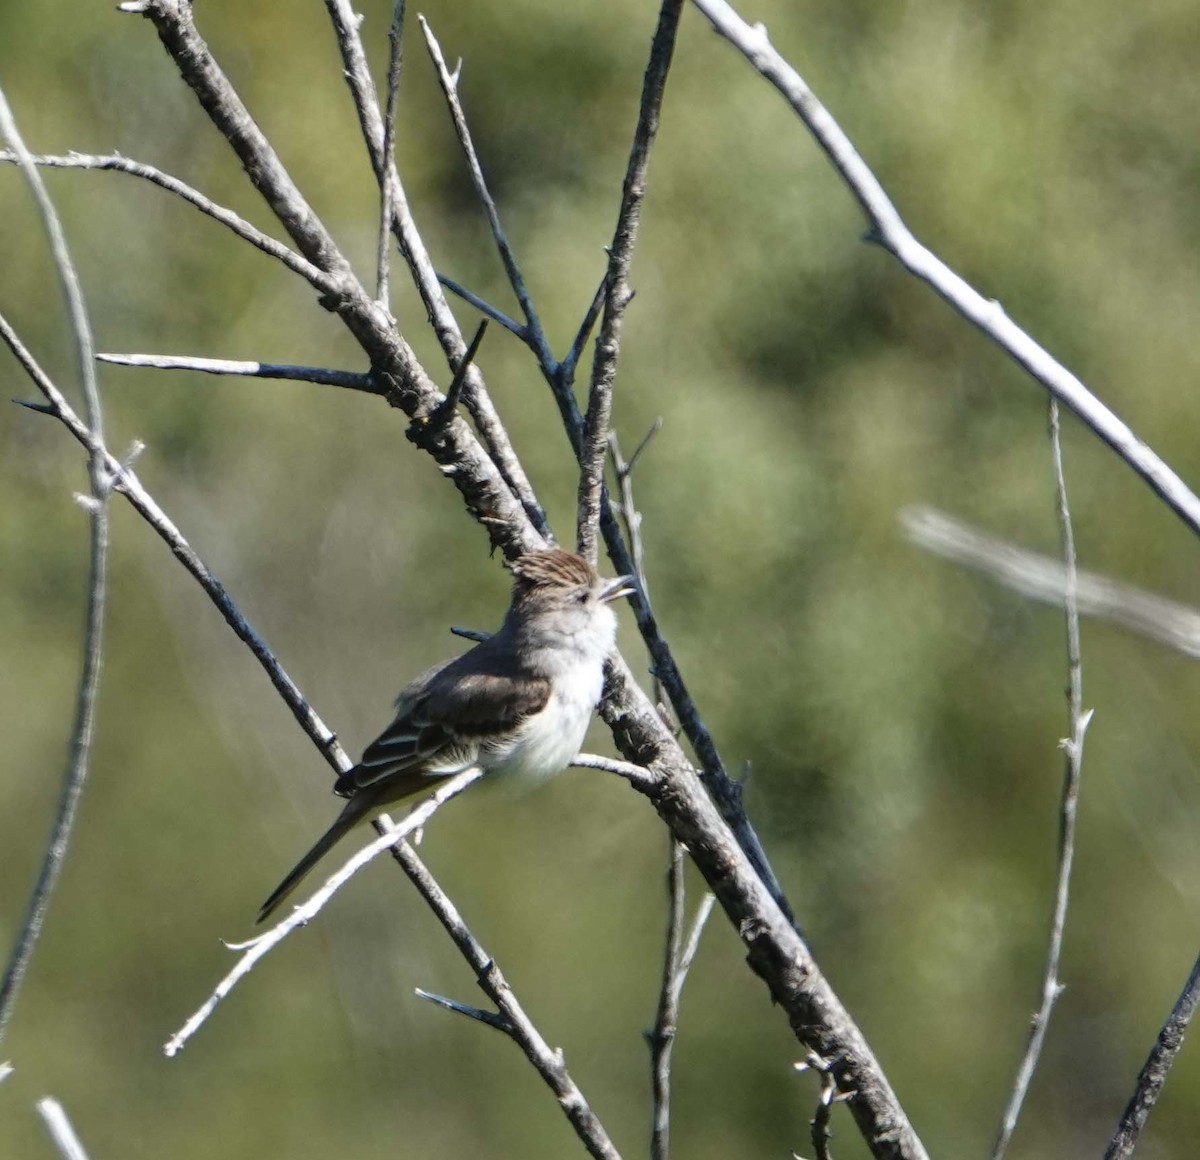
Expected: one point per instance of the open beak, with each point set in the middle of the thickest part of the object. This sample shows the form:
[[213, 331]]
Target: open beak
[[615, 589]]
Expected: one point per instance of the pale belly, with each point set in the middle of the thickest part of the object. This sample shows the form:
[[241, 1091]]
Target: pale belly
[[547, 741]]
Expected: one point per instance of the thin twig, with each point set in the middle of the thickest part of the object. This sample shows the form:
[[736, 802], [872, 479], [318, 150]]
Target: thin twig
[[534, 334], [550, 1064], [351, 380], [75, 775], [1155, 1070], [617, 292], [632, 518], [387, 194], [485, 307], [1044, 579], [661, 1037], [242, 228], [444, 411], [491, 431], [889, 230], [1072, 746], [637, 775], [490, 1018], [54, 1116], [564, 373], [255, 949], [677, 961]]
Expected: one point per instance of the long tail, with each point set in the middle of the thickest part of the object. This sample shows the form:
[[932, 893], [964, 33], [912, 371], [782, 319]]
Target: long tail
[[356, 809]]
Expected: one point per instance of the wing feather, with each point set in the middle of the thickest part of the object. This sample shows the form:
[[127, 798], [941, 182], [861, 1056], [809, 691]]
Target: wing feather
[[445, 714]]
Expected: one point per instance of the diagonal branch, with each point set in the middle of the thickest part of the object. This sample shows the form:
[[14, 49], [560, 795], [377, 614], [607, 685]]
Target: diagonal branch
[[62, 1132], [548, 1063], [617, 292], [389, 836], [1155, 1070], [125, 482], [242, 228], [1044, 579], [441, 318], [532, 331], [387, 193], [889, 230]]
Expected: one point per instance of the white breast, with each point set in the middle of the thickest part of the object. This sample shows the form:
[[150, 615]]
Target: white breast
[[549, 739]]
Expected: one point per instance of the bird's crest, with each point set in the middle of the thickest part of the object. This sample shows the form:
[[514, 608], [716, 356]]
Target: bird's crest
[[552, 567]]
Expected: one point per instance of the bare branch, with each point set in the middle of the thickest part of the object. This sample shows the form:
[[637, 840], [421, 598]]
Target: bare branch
[[638, 776], [75, 775], [387, 195], [549, 1063], [617, 292], [1155, 1070], [1045, 580], [485, 307], [389, 835], [242, 228], [677, 961], [445, 326], [889, 230], [444, 411], [61, 1131], [499, 1022], [172, 19], [1078, 722], [565, 372], [351, 380], [533, 332]]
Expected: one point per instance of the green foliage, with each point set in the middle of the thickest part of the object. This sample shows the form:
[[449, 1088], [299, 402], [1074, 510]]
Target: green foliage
[[901, 719]]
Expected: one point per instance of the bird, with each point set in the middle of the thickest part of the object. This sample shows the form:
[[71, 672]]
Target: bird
[[517, 704]]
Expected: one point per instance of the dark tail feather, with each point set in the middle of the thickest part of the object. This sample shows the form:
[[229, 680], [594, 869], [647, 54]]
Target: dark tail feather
[[346, 821]]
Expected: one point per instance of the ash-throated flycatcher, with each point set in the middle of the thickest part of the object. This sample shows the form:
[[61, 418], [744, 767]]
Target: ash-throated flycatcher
[[518, 702]]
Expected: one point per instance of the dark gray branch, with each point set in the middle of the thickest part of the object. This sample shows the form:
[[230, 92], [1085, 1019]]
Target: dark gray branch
[[532, 331], [125, 482], [1155, 1070], [617, 291]]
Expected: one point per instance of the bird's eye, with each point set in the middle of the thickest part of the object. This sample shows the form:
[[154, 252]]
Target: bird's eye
[[581, 597]]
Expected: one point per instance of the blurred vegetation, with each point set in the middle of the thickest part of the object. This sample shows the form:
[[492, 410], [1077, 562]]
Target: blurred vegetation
[[900, 718]]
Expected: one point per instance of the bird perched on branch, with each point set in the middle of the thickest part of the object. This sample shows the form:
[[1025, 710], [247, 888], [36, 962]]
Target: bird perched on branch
[[518, 703]]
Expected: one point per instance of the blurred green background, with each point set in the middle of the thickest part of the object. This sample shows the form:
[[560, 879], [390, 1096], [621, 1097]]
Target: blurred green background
[[901, 718]]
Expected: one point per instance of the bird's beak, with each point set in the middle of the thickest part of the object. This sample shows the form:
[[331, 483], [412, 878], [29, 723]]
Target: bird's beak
[[615, 589]]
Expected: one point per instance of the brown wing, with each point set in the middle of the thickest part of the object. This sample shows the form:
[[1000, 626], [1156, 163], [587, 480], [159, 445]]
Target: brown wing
[[442, 716]]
